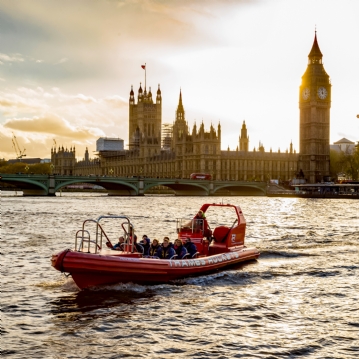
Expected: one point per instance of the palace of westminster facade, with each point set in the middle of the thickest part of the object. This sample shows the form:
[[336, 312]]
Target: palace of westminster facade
[[178, 152]]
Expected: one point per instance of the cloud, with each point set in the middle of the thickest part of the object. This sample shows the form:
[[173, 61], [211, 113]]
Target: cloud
[[116, 101], [86, 99], [53, 125], [11, 58], [61, 61], [13, 104]]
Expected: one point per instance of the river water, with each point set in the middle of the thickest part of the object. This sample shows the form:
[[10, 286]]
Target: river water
[[299, 300]]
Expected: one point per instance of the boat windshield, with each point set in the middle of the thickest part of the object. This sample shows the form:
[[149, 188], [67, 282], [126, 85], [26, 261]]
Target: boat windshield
[[190, 226]]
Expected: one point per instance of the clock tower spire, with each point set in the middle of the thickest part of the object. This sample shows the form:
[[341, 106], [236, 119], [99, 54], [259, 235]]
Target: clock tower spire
[[314, 122]]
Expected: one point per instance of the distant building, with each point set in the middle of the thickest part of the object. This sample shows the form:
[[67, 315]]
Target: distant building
[[314, 123], [176, 151], [109, 144], [343, 145], [183, 151], [63, 160], [29, 161]]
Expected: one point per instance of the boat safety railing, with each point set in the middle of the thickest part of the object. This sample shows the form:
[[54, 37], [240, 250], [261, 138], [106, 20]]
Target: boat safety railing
[[189, 256], [83, 239]]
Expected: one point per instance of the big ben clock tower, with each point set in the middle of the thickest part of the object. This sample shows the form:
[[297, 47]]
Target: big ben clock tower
[[314, 106]]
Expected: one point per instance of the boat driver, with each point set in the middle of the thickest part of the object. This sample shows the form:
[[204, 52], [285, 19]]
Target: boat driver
[[206, 230], [200, 215]]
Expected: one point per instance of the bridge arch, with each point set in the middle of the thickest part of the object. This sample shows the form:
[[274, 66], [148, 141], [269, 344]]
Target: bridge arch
[[30, 186], [180, 188], [246, 189], [114, 187]]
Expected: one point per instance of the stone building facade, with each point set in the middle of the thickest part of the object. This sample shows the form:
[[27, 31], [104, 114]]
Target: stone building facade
[[199, 150], [63, 160], [190, 151], [314, 106]]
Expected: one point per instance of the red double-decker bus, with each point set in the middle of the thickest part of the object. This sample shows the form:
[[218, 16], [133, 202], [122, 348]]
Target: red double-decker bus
[[200, 176]]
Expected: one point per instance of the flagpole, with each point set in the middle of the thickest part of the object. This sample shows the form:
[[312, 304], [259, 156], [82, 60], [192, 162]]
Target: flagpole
[[145, 74]]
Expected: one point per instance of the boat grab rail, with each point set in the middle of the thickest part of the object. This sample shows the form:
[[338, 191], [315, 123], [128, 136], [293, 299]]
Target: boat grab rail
[[100, 233], [80, 234]]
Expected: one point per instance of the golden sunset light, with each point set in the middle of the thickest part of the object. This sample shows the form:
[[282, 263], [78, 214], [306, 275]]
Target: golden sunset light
[[67, 67]]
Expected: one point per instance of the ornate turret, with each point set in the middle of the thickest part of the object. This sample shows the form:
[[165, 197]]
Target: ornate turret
[[243, 138], [194, 130], [132, 96], [180, 128], [158, 97], [140, 93]]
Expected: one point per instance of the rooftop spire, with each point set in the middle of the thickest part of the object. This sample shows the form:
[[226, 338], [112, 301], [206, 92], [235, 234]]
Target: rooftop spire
[[315, 52], [180, 105]]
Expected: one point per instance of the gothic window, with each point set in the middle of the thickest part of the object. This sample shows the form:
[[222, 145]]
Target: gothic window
[[206, 149]]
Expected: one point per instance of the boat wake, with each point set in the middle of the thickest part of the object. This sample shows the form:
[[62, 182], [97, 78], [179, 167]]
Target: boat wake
[[63, 282], [266, 253]]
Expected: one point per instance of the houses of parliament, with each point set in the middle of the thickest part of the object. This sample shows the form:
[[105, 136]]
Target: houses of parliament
[[176, 151]]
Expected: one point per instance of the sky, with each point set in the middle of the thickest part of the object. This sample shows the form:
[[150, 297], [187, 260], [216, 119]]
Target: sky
[[66, 68]]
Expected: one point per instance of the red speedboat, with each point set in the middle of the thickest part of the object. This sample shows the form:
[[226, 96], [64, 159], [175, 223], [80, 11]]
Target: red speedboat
[[93, 262]]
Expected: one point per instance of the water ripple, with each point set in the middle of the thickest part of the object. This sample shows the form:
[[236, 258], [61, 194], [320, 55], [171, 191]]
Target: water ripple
[[300, 299]]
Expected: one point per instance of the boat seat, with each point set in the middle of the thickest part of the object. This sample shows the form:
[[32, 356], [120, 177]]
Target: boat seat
[[220, 233]]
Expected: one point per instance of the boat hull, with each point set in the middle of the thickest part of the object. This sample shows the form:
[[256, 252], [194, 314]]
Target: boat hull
[[89, 270]]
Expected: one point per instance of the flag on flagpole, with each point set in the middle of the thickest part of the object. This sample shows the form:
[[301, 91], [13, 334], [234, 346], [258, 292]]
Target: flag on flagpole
[[144, 67]]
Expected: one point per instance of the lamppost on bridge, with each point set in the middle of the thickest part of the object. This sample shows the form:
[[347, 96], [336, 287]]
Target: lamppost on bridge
[[111, 171], [26, 168], [52, 169]]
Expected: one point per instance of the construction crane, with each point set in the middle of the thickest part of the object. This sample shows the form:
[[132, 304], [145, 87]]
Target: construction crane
[[19, 154]]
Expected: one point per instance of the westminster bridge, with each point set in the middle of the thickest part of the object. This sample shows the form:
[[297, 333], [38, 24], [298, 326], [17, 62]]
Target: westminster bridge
[[48, 185]]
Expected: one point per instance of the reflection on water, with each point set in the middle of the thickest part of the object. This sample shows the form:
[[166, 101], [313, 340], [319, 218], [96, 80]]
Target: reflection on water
[[299, 299], [88, 300]]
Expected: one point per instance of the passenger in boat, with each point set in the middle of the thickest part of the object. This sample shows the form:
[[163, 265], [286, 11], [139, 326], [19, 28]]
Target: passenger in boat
[[166, 251], [139, 247], [190, 246], [180, 249], [146, 236], [132, 235], [118, 246], [145, 243], [155, 248]]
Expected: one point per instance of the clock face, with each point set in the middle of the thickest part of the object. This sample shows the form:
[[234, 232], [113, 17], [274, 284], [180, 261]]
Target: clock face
[[306, 93], [322, 93]]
